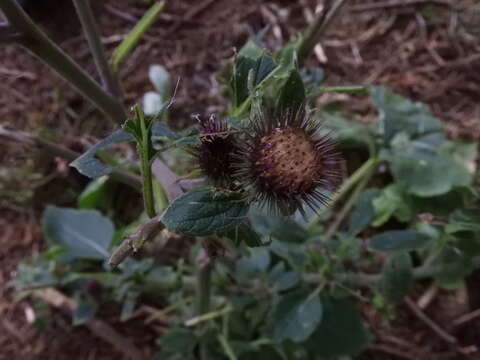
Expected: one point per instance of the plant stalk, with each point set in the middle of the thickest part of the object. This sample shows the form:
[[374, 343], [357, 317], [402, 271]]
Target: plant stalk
[[109, 79], [347, 185], [37, 42], [204, 273], [312, 35], [203, 287], [348, 205], [146, 166]]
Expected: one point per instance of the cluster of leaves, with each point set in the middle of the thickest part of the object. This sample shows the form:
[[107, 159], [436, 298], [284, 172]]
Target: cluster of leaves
[[291, 299]]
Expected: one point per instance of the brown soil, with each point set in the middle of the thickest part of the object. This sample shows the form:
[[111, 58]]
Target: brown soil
[[429, 54]]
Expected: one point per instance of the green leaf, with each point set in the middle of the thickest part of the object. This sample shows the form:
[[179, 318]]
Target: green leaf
[[454, 266], [283, 280], [292, 95], [94, 194], [39, 273], [279, 227], [203, 212], [444, 205], [296, 316], [88, 165], [398, 114], [287, 60], [251, 50], [392, 202], [134, 36], [341, 331], [398, 240], [244, 233], [258, 261], [363, 212], [464, 220], [424, 172], [397, 277], [239, 83], [312, 79], [82, 233], [178, 340], [85, 310], [350, 134], [258, 70]]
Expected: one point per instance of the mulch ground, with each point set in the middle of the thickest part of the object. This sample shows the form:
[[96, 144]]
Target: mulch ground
[[428, 53]]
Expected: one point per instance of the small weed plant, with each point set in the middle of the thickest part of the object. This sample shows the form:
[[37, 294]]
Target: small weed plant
[[289, 217]]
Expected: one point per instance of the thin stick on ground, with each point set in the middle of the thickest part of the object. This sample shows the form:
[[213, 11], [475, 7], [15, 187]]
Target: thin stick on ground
[[429, 322]]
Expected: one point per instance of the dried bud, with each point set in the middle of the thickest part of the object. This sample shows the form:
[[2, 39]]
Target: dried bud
[[214, 154]]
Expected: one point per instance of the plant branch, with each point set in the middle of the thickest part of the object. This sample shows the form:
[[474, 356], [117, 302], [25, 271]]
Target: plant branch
[[204, 272], [316, 30], [132, 243], [348, 205], [65, 153], [144, 150], [109, 79], [347, 185], [37, 42], [202, 293]]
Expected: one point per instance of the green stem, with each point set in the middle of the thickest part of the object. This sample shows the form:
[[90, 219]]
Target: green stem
[[144, 151], [202, 305], [90, 29], [35, 40], [243, 108], [226, 347], [204, 273], [347, 185], [316, 30], [209, 316], [348, 205]]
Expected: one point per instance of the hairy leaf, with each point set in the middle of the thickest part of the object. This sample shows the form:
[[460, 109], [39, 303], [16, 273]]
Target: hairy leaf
[[82, 233], [397, 277], [296, 316], [399, 240], [202, 212], [341, 331]]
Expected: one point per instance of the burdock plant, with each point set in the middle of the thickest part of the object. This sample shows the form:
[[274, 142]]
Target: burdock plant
[[280, 162]]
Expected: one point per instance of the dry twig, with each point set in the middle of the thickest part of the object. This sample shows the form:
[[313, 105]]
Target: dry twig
[[429, 322]]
